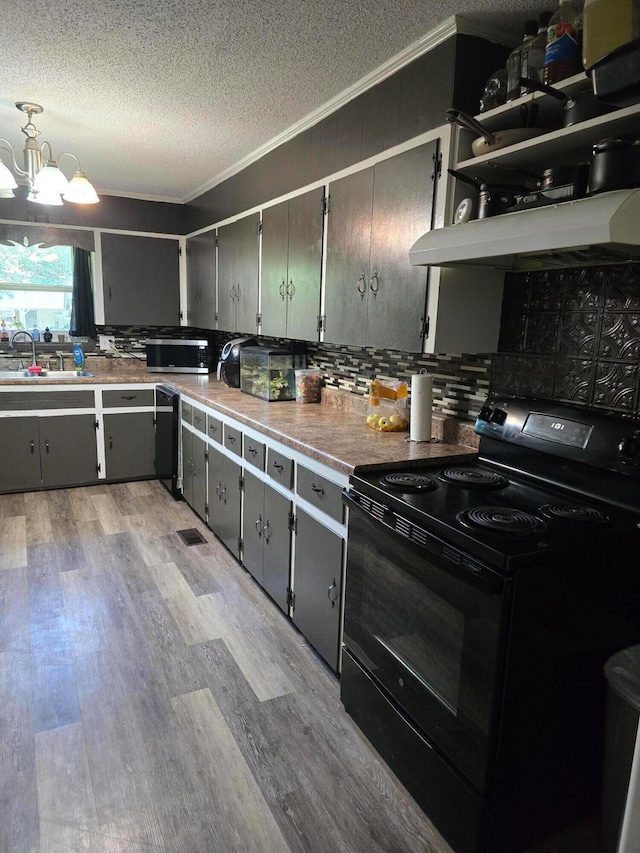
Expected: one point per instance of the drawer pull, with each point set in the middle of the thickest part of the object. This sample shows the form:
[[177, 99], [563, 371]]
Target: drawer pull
[[317, 489], [278, 466], [213, 428], [197, 419], [252, 450], [231, 439], [128, 396]]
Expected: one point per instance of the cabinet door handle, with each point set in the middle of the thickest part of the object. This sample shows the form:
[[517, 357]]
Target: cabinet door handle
[[259, 525], [317, 489], [362, 281], [238, 292], [283, 290], [278, 466], [110, 295], [223, 494], [218, 488], [375, 278], [32, 446], [291, 289], [332, 593], [267, 532], [110, 442], [46, 445]]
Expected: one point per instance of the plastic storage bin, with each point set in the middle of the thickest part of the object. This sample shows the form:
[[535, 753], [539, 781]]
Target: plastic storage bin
[[308, 382], [269, 373], [621, 797]]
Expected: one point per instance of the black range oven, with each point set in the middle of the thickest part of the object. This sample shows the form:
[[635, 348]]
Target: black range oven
[[482, 601]]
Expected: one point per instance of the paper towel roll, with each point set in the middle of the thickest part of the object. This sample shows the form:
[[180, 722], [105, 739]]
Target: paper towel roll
[[421, 407]]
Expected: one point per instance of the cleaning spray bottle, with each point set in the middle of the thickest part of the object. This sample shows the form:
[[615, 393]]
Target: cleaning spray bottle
[[78, 357]]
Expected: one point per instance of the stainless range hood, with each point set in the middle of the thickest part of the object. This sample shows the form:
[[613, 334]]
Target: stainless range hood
[[601, 229]]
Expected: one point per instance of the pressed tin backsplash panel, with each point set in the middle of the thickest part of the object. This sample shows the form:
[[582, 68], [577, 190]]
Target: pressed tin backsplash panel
[[573, 336]]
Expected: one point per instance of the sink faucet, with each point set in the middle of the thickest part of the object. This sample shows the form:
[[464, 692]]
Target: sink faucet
[[34, 360], [60, 356]]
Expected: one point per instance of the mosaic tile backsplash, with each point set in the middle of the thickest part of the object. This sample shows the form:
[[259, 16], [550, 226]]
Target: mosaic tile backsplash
[[573, 336], [460, 382]]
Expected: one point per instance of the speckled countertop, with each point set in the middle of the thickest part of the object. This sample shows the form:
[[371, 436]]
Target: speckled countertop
[[333, 432]]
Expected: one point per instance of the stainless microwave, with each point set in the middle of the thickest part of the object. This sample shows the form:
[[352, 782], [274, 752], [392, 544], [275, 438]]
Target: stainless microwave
[[179, 356]]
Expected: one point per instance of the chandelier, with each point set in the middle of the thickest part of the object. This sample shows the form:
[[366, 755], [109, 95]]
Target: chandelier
[[45, 180]]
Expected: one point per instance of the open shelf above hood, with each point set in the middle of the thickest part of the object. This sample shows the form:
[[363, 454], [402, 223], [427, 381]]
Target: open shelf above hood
[[601, 229]]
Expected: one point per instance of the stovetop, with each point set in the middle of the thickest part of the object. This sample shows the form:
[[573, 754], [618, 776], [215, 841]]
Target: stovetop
[[505, 519]]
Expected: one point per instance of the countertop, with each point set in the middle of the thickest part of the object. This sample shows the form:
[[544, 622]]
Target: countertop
[[332, 432]]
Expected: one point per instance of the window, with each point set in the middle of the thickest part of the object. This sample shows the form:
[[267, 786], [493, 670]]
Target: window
[[36, 286]]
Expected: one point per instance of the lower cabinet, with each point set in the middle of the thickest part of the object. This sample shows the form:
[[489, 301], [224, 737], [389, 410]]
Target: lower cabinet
[[129, 445], [48, 452], [194, 471], [223, 483], [267, 538], [318, 586]]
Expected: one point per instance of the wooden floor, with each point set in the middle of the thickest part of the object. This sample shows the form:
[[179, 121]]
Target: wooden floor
[[152, 698]]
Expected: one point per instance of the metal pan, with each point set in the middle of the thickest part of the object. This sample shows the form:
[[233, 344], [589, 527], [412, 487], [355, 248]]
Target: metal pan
[[577, 108], [488, 141]]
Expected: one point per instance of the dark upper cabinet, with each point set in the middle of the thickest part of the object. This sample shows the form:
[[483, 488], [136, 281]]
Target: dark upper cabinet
[[374, 297], [141, 280], [201, 280], [238, 275], [292, 267]]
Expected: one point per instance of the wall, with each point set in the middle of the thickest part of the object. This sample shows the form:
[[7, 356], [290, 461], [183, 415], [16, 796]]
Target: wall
[[572, 336], [406, 104], [127, 214]]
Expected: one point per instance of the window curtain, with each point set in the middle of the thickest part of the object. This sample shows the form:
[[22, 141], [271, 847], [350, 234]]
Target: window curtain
[[82, 316]]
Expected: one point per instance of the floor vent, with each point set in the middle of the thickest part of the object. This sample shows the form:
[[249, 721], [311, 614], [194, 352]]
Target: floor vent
[[191, 536]]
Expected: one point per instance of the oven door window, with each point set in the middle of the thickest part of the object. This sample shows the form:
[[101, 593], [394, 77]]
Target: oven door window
[[428, 634]]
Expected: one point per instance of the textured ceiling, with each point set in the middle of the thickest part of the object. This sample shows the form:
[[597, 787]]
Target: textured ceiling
[[157, 97]]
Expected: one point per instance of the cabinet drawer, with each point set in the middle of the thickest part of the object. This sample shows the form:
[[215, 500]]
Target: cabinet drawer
[[115, 399], [187, 412], [198, 419], [15, 401], [254, 452], [320, 492], [214, 428], [280, 468], [232, 439]]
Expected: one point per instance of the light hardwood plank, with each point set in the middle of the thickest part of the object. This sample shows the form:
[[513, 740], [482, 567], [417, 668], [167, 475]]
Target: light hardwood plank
[[224, 772], [13, 536], [18, 795], [12, 505], [38, 518], [86, 611], [257, 660], [66, 807], [14, 607], [108, 513], [198, 617]]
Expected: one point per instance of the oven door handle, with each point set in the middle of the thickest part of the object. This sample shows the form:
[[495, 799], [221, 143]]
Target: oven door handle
[[456, 563]]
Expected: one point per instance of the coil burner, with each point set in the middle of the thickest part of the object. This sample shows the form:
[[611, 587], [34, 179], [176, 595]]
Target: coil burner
[[473, 478], [574, 512], [409, 482], [503, 520]]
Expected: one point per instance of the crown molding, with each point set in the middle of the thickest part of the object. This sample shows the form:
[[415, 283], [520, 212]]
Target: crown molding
[[455, 25]]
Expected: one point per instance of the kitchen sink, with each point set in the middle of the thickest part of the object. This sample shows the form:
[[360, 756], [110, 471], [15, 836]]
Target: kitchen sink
[[20, 375]]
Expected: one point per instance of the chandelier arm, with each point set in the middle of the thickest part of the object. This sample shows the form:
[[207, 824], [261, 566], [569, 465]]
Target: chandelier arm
[[48, 144], [9, 149], [69, 154]]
